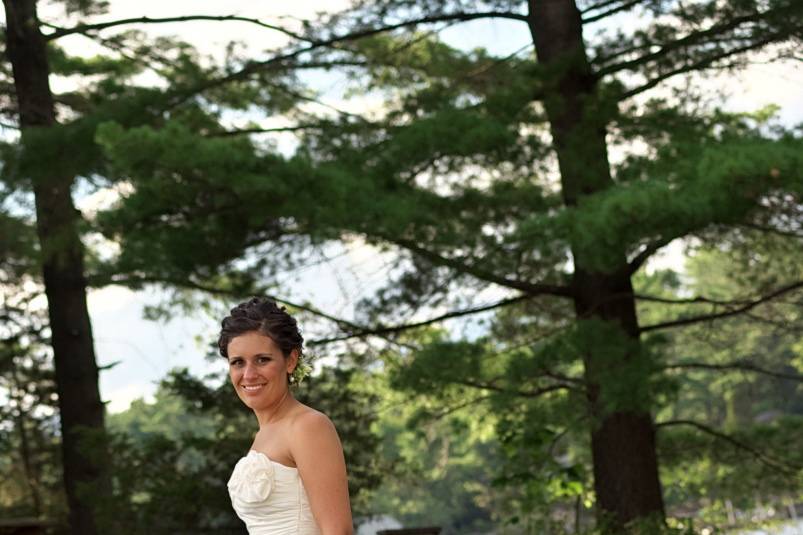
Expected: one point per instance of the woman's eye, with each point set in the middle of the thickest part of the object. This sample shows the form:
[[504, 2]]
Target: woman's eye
[[263, 360], [236, 363]]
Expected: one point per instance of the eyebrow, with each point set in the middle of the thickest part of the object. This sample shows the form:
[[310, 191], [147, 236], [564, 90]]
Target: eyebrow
[[257, 355]]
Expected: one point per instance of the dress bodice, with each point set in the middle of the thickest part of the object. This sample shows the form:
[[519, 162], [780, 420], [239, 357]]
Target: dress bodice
[[270, 497]]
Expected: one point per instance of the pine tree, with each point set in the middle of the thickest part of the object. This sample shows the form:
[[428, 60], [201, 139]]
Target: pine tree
[[480, 172], [455, 176], [86, 470]]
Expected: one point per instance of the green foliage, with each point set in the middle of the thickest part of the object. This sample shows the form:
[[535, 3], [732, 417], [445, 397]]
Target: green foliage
[[187, 477], [17, 248], [63, 64], [508, 393], [457, 174], [339, 393], [439, 462], [30, 461], [720, 384], [755, 461], [179, 450], [165, 417], [85, 7]]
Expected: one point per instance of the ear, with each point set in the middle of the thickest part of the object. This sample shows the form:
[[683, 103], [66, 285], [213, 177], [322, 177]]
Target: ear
[[292, 361]]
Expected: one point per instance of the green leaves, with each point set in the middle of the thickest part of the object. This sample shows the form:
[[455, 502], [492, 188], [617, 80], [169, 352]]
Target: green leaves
[[61, 63], [18, 247], [200, 427], [449, 161], [696, 37], [85, 7]]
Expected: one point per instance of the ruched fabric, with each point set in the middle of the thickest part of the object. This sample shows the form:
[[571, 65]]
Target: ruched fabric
[[270, 498]]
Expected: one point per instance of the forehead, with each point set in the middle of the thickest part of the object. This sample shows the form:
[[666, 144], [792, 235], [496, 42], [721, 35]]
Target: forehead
[[252, 343]]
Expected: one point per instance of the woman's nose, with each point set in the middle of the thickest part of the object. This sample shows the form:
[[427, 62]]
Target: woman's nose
[[250, 371]]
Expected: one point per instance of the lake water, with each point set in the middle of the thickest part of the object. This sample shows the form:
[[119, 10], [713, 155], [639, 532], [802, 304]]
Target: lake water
[[792, 528]]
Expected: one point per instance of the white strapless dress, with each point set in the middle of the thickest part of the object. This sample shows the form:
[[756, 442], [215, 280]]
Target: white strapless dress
[[270, 498]]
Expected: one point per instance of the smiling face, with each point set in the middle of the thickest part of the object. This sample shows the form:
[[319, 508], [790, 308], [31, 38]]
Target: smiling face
[[258, 369]]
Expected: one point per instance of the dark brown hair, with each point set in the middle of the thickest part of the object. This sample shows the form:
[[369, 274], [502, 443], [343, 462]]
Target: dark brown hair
[[264, 316]]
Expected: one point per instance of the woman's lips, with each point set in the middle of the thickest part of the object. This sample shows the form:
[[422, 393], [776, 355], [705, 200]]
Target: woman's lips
[[252, 389]]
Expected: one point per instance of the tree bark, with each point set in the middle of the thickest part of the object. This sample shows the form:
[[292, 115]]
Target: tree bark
[[87, 476], [626, 478]]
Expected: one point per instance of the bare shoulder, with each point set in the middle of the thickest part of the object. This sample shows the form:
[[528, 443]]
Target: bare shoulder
[[314, 439], [308, 421], [318, 454]]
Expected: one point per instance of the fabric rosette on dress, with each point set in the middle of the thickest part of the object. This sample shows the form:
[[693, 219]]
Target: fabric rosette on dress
[[252, 479], [270, 497]]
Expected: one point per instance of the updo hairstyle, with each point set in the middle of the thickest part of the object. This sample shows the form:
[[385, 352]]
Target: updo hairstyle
[[266, 317]]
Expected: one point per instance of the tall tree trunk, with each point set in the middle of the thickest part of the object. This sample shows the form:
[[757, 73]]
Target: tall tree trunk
[[622, 440], [87, 476]]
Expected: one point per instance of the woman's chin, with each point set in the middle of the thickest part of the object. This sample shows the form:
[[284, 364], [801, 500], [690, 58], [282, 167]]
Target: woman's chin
[[256, 402]]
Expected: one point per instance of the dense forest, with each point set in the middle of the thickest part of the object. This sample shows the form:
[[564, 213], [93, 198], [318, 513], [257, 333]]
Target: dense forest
[[524, 367]]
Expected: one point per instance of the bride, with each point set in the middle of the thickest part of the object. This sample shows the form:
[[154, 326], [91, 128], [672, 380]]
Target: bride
[[293, 479]]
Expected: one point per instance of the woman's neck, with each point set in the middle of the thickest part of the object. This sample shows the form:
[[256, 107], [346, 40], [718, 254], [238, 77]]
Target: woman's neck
[[272, 413]]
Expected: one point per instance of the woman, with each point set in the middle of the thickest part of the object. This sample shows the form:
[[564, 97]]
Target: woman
[[293, 480]]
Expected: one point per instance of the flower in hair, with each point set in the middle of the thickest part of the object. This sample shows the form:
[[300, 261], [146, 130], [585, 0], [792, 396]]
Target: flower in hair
[[301, 371]]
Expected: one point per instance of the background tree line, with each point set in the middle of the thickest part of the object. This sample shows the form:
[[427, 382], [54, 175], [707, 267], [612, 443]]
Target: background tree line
[[490, 179]]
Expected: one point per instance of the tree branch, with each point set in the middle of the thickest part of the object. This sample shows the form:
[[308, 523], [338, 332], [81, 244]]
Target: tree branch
[[245, 131], [385, 330], [772, 230], [743, 365], [651, 248], [718, 315], [690, 301], [780, 466], [84, 28], [354, 330], [705, 62], [521, 393], [598, 5], [778, 325], [454, 408], [453, 17], [622, 7], [343, 324], [132, 280], [532, 289], [256, 66], [683, 42]]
